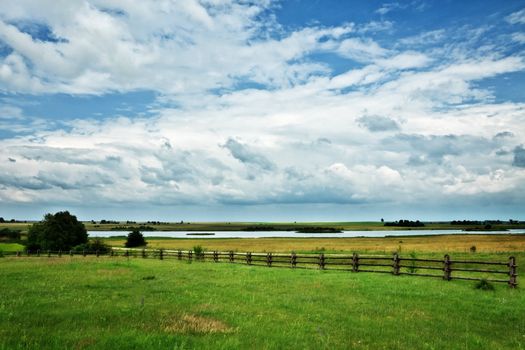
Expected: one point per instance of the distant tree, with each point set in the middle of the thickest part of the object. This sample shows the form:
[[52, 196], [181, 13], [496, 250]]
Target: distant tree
[[382, 220], [60, 231], [135, 239], [2, 220], [7, 234]]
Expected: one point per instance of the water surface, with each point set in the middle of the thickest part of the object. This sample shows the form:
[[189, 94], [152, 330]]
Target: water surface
[[293, 234]]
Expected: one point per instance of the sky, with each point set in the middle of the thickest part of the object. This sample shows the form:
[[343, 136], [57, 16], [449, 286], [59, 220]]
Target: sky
[[239, 110]]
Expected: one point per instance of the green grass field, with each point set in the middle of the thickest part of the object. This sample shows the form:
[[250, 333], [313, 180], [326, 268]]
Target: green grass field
[[115, 303], [11, 247]]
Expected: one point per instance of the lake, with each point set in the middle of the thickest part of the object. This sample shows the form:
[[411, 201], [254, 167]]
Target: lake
[[292, 234]]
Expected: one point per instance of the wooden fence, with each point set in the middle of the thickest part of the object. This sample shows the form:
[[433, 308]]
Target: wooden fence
[[446, 268]]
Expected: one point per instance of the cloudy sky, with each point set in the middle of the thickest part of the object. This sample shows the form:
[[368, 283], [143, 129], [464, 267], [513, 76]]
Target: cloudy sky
[[262, 110]]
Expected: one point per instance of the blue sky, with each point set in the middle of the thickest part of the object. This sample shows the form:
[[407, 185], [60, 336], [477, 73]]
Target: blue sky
[[263, 110]]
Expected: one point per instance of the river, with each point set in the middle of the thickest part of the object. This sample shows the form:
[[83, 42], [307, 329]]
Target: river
[[292, 234]]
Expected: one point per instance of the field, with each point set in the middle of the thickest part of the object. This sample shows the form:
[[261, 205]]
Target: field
[[116, 302], [421, 244], [284, 226], [111, 303]]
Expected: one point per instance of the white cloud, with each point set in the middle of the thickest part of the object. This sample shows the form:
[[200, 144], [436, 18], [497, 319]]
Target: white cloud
[[361, 49], [405, 60], [517, 17], [403, 122], [518, 37], [172, 47]]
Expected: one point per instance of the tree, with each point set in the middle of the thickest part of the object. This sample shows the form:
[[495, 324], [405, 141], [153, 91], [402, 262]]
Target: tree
[[135, 239], [60, 231]]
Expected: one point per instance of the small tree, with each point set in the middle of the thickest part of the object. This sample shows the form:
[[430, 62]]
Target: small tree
[[59, 231], [135, 239]]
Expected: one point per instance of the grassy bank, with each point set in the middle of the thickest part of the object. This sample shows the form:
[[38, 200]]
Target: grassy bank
[[11, 247], [150, 304]]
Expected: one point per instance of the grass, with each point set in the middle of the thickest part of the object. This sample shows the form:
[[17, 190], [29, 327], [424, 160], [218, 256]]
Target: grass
[[420, 244], [11, 247], [109, 303]]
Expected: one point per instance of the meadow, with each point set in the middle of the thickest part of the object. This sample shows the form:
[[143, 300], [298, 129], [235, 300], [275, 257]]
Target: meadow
[[432, 244], [109, 303]]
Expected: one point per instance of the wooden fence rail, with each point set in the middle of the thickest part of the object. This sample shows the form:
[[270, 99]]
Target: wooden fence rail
[[446, 268]]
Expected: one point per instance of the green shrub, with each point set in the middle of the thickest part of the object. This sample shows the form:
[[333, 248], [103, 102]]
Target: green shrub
[[199, 252], [135, 239], [8, 235], [96, 244], [483, 284], [412, 268]]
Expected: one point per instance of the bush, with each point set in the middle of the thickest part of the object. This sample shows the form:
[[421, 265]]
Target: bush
[[92, 246], [135, 239], [483, 284], [199, 252], [60, 231], [412, 268], [9, 235], [473, 249]]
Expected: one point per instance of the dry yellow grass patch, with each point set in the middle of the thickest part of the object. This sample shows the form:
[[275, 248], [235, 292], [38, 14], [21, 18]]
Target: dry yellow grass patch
[[190, 323], [437, 243]]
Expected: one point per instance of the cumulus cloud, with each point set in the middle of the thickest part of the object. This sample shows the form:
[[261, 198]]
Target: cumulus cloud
[[179, 47], [248, 114], [378, 123], [435, 147], [519, 157], [246, 155]]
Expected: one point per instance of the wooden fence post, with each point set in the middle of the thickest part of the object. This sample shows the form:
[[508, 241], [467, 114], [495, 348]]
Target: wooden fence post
[[355, 262], [215, 256], [111, 252], [60, 253], [161, 255], [321, 261], [395, 264], [249, 258], [190, 254], [231, 256], [84, 252], [143, 253], [18, 253], [293, 260], [179, 254], [97, 253], [447, 271], [269, 259], [70, 253], [513, 279], [48, 253]]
